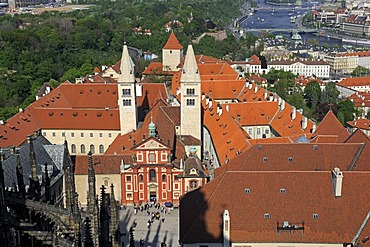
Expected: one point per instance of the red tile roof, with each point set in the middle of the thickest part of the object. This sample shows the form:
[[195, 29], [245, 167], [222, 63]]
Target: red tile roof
[[360, 99], [103, 164], [306, 194], [296, 157], [355, 81], [361, 123], [331, 126], [172, 43], [156, 68], [228, 136]]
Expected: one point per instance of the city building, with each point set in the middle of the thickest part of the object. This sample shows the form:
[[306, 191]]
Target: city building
[[361, 84], [305, 67], [341, 62], [361, 124], [356, 24], [361, 101]]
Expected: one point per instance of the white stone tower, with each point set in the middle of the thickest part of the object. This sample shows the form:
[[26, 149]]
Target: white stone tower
[[190, 96], [126, 94], [172, 54]]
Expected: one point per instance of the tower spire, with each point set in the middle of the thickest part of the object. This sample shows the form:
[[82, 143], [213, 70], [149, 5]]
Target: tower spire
[[127, 74], [19, 172], [190, 82], [127, 93], [34, 189], [113, 220], [47, 184]]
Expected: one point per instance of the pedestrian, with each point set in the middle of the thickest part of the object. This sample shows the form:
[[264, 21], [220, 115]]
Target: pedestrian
[[163, 219]]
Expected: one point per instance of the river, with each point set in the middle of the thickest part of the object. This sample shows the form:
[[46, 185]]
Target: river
[[278, 17]]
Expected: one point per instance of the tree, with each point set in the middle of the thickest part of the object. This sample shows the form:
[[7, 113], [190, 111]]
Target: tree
[[312, 93], [330, 93], [346, 111]]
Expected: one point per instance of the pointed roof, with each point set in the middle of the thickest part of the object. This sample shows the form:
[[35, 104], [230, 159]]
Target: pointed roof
[[126, 67], [190, 71], [330, 125], [172, 43]]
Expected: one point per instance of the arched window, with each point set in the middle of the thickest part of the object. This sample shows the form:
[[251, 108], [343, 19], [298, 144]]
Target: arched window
[[141, 178], [101, 149], [83, 149], [164, 178], [190, 102], [73, 148], [92, 149], [152, 177]]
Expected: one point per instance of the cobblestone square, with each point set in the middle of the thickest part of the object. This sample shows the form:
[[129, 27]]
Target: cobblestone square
[[159, 232]]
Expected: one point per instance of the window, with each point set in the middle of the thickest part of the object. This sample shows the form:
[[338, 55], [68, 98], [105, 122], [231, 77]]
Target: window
[[128, 178], [63, 134], [141, 178], [126, 102], [164, 178], [92, 148], [170, 51], [82, 134], [83, 149], [190, 91], [126, 92], [151, 157], [73, 148], [53, 134], [315, 216], [72, 134], [282, 191], [101, 149], [44, 133], [258, 131], [247, 191], [190, 102], [100, 134], [266, 216], [91, 134], [106, 182], [176, 177], [110, 135], [152, 177], [193, 184], [267, 131]]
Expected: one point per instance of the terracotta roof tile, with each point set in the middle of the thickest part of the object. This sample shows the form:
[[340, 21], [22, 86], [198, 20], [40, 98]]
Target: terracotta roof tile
[[306, 194], [103, 164], [156, 68], [355, 81], [330, 125], [360, 99], [361, 123], [172, 43]]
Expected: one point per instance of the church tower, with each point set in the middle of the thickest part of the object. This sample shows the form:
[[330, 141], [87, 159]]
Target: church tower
[[172, 54], [126, 93], [190, 96]]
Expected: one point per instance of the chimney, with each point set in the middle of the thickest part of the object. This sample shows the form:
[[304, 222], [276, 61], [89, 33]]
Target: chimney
[[294, 112], [210, 103], [337, 176], [203, 96], [282, 105], [304, 122], [219, 109], [227, 107], [313, 128], [207, 100], [265, 94], [275, 97], [278, 100], [246, 83], [255, 87], [226, 228], [250, 86]]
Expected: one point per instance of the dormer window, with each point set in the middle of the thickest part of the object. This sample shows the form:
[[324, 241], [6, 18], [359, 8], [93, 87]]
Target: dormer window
[[193, 171], [282, 191], [266, 216]]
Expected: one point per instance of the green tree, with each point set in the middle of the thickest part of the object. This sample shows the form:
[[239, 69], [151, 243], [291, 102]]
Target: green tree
[[346, 111], [330, 93], [312, 93]]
